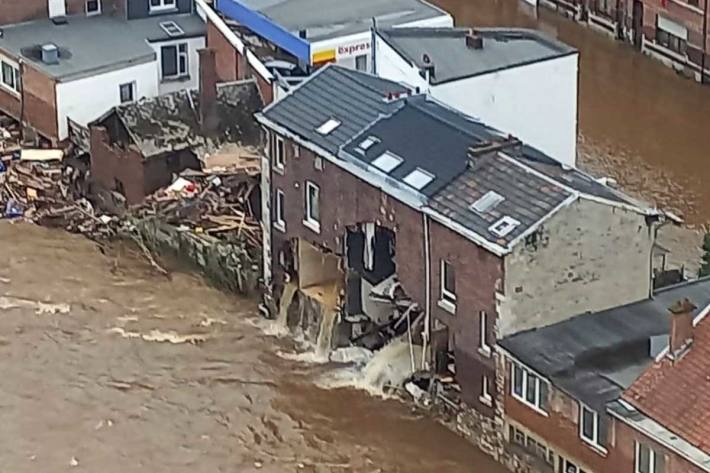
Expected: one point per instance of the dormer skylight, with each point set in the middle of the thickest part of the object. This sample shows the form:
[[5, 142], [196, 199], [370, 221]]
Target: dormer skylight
[[328, 126], [368, 143], [487, 202], [503, 226], [387, 161], [419, 178], [171, 28]]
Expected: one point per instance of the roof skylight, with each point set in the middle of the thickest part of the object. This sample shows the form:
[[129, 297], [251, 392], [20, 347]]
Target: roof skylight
[[328, 126], [368, 143], [503, 226], [171, 28], [487, 202], [419, 178], [387, 161]]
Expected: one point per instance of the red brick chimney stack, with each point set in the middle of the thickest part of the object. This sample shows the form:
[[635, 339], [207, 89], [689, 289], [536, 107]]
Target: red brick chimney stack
[[681, 336], [209, 121]]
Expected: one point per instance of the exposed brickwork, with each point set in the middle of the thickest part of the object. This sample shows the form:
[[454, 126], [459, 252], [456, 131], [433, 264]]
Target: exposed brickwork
[[14, 11], [346, 200], [111, 164], [226, 55], [40, 102]]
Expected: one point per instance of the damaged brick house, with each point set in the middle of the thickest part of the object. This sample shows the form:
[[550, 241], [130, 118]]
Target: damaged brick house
[[73, 60], [607, 391], [138, 148], [486, 236]]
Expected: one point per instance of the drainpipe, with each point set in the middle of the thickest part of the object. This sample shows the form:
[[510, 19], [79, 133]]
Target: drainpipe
[[427, 279], [705, 40], [373, 48], [21, 65]]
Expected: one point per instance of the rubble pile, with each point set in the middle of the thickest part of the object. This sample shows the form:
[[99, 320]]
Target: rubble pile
[[42, 188], [10, 137], [218, 202]]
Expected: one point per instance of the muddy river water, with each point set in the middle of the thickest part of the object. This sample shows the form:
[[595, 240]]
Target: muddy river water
[[638, 121], [94, 377]]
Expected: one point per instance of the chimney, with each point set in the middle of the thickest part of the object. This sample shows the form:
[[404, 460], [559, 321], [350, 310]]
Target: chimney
[[681, 336], [474, 41], [209, 121], [50, 54]]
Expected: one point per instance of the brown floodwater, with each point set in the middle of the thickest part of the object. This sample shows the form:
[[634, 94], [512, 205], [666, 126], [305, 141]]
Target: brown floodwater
[[639, 122], [86, 384]]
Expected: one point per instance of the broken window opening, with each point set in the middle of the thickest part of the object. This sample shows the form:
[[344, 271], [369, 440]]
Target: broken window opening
[[279, 206], [370, 251]]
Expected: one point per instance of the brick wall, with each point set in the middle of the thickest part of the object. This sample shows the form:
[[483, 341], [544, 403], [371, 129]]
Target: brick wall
[[111, 163], [622, 457], [559, 428], [347, 200], [16, 11], [225, 54]]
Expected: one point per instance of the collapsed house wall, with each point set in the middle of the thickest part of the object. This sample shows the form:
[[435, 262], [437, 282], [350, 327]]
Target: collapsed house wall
[[588, 257], [231, 266]]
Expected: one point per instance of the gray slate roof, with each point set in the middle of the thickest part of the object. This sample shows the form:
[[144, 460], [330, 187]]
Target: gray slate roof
[[333, 18], [595, 356], [171, 122], [92, 45], [436, 138], [503, 48]]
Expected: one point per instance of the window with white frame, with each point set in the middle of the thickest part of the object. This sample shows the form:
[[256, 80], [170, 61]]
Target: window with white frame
[[483, 346], [173, 61], [448, 284], [127, 92], [279, 206], [567, 466], [312, 218], [279, 154], [93, 7], [589, 426], [486, 397], [10, 76], [160, 5], [648, 460], [529, 388]]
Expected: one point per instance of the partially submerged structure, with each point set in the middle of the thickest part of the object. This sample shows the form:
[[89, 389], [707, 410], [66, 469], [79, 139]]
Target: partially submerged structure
[[139, 147], [374, 193]]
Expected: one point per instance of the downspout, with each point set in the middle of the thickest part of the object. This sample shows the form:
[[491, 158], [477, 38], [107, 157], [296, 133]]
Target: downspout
[[373, 39], [705, 41], [656, 228], [427, 282], [21, 64]]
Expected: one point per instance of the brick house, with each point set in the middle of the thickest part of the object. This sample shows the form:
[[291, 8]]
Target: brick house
[[51, 73], [139, 147], [485, 235], [569, 389]]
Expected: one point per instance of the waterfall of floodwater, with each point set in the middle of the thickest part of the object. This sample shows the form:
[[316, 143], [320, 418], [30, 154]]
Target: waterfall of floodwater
[[286, 299], [324, 342]]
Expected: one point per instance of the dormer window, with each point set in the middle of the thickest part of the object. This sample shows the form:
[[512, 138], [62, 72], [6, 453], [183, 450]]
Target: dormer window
[[161, 5], [328, 126]]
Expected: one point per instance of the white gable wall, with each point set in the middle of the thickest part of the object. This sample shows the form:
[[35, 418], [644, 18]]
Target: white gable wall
[[537, 103]]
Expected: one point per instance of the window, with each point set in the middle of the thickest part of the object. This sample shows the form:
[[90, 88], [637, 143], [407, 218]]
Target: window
[[279, 154], [361, 62], [328, 126], [448, 285], [279, 201], [173, 60], [387, 161], [312, 219], [488, 202], [567, 466], [127, 92], [11, 77], [671, 35], [158, 5], [648, 460], [93, 7], [483, 346], [486, 397], [529, 388], [418, 178], [368, 143], [532, 445], [503, 226], [589, 426]]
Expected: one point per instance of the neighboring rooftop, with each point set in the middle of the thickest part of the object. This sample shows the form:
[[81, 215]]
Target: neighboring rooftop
[[324, 20], [170, 122], [449, 161], [93, 45], [453, 57], [676, 393], [595, 356]]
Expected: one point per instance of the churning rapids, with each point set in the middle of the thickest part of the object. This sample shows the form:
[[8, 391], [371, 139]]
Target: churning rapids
[[107, 367]]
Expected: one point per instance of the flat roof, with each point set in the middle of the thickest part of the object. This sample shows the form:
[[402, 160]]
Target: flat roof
[[452, 58], [326, 19], [93, 45]]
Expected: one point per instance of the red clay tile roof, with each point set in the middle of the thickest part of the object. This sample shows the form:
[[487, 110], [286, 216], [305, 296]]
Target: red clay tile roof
[[677, 394]]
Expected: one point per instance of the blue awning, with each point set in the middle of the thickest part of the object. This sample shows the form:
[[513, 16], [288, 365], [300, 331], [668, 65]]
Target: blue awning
[[266, 28]]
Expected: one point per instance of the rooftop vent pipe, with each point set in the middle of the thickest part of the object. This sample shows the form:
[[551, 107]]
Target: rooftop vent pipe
[[474, 41], [50, 54]]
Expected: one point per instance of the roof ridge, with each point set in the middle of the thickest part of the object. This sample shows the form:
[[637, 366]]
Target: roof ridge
[[355, 77]]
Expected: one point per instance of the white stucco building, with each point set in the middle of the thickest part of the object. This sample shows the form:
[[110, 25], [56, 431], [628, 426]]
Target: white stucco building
[[519, 81]]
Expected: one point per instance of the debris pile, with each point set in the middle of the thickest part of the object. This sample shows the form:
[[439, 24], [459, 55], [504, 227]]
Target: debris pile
[[41, 187], [218, 201], [10, 138]]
